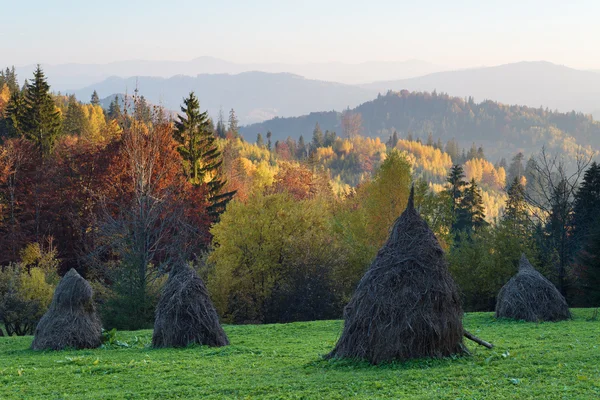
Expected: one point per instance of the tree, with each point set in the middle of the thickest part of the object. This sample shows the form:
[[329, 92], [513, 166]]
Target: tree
[[232, 127], [75, 122], [471, 212], [259, 140], [221, 128], [41, 120], [515, 211], [553, 188], [275, 260], [114, 109], [516, 170], [203, 160], [586, 210], [95, 100], [269, 136], [317, 137], [351, 124], [301, 150], [455, 190]]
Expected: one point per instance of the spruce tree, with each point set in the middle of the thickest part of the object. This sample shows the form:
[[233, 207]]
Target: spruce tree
[[95, 100], [589, 259], [301, 151], [586, 210], [114, 109], [515, 210], [233, 124], [471, 212], [41, 120], [455, 190], [317, 139], [15, 114], [194, 133], [260, 141]]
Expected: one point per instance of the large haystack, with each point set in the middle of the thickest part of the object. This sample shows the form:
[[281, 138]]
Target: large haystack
[[71, 321], [406, 305], [531, 297], [185, 314]]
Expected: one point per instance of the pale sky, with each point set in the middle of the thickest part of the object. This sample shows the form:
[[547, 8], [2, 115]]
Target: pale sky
[[453, 33]]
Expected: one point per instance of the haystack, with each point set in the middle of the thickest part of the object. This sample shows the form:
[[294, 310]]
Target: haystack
[[531, 297], [406, 305], [185, 314], [71, 321]]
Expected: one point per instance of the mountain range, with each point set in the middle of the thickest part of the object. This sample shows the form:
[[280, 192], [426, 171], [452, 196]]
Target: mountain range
[[533, 84], [68, 77], [255, 96]]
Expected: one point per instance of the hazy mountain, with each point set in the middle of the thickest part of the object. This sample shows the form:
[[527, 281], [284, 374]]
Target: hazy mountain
[[255, 96], [502, 130], [74, 76], [527, 83]]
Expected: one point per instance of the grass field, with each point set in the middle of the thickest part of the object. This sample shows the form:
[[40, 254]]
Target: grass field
[[549, 361]]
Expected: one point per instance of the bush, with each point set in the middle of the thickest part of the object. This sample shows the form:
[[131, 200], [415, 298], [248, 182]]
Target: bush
[[25, 294]]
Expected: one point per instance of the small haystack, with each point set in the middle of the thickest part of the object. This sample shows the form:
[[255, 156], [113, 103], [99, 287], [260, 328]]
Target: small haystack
[[185, 314], [531, 297], [406, 305], [71, 321]]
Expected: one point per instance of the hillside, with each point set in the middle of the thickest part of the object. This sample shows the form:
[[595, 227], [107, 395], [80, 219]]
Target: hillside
[[255, 96], [547, 360], [503, 130], [532, 84]]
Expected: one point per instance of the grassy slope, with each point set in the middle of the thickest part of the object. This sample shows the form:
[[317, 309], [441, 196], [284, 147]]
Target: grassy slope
[[550, 360]]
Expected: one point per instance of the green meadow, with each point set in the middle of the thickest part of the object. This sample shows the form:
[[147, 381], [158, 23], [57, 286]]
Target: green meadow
[[530, 361]]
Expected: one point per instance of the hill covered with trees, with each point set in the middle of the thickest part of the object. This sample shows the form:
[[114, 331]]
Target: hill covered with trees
[[502, 129]]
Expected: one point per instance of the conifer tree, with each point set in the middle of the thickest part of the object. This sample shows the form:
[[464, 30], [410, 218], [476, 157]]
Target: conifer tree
[[194, 133], [114, 109], [233, 124], [471, 214], [301, 151], [515, 211], [260, 141], [95, 100], [586, 210], [455, 190], [41, 120]]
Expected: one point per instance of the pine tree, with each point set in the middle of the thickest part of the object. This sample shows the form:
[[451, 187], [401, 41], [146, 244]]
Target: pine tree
[[457, 183], [114, 109], [75, 122], [269, 136], [301, 151], [515, 170], [221, 128], [589, 259], [515, 210], [95, 100], [194, 133], [586, 210], [41, 120], [233, 128], [471, 213], [317, 139], [15, 114], [260, 141]]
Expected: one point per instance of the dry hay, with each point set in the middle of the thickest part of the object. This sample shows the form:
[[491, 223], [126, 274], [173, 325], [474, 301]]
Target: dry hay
[[185, 314], [406, 305], [71, 320], [529, 296]]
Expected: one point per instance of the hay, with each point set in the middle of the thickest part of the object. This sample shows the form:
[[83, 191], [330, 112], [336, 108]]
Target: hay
[[185, 314], [71, 320], [406, 305], [529, 296]]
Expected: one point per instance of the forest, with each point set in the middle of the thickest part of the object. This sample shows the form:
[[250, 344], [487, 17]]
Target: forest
[[281, 229]]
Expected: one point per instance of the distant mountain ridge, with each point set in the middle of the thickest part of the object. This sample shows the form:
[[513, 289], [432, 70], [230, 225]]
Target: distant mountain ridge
[[533, 84], [65, 77], [255, 96]]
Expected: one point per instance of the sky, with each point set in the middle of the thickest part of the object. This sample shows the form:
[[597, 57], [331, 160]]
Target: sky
[[452, 33]]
